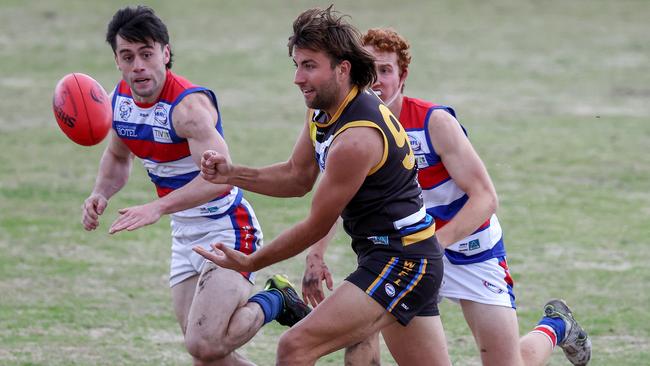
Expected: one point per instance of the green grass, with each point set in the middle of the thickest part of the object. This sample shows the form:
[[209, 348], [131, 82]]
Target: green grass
[[554, 95]]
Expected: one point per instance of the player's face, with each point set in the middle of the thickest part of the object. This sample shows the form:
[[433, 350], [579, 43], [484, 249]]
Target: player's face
[[143, 67], [316, 79], [389, 81]]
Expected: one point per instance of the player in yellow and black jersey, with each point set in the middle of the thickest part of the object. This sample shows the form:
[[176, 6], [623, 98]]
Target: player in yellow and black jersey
[[387, 213], [368, 178]]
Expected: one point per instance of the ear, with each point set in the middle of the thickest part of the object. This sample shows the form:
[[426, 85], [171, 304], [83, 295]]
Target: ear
[[166, 54], [117, 64], [345, 67], [402, 78]]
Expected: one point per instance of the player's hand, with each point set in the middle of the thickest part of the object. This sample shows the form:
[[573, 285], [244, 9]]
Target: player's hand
[[92, 208], [316, 272], [135, 217], [226, 257], [215, 168]]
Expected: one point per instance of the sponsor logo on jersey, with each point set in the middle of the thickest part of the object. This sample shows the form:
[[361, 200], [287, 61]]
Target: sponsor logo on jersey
[[469, 246], [160, 115], [209, 210], [125, 131], [379, 240], [492, 287], [161, 135], [421, 160], [126, 107], [390, 290]]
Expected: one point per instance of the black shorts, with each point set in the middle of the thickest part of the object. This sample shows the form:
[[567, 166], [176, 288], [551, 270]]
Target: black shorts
[[405, 287]]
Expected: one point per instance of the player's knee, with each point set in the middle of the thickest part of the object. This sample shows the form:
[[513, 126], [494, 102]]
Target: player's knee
[[365, 352], [204, 350], [292, 349]]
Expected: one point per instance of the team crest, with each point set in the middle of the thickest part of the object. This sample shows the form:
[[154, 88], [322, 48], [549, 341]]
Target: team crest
[[126, 107], [415, 144]]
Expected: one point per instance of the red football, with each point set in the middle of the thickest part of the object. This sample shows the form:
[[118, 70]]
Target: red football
[[82, 109]]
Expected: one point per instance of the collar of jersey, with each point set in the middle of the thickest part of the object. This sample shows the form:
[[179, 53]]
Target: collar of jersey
[[348, 98]]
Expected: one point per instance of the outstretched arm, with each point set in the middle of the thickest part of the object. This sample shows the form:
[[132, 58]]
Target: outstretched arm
[[292, 178], [351, 157]]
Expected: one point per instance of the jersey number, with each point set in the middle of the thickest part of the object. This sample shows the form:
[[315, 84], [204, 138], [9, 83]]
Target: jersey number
[[399, 135]]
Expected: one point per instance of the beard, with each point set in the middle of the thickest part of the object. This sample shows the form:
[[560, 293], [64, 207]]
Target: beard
[[325, 97]]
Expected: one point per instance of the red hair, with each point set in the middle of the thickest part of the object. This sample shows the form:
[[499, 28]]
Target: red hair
[[387, 40]]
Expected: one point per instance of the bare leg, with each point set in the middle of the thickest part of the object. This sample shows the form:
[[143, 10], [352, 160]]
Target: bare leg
[[496, 332], [346, 317], [182, 295], [364, 353], [421, 342], [536, 349], [219, 319]]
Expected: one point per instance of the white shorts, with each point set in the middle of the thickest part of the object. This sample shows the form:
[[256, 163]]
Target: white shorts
[[238, 229], [486, 282]]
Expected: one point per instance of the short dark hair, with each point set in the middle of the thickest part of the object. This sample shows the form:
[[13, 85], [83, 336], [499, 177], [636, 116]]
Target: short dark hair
[[139, 24], [325, 30]]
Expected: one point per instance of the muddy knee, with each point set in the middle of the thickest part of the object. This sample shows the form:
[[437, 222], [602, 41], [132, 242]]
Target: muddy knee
[[206, 349], [292, 348]]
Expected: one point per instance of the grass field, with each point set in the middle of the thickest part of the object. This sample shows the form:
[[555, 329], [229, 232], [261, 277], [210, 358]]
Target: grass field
[[555, 95]]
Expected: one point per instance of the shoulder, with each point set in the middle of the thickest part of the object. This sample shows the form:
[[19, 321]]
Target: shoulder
[[194, 111], [193, 101], [358, 140], [445, 132], [442, 116]]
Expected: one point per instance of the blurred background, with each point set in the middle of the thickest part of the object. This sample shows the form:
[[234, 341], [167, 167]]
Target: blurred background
[[555, 96]]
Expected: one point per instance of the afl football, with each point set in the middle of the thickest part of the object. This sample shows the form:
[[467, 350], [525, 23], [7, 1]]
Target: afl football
[[82, 109]]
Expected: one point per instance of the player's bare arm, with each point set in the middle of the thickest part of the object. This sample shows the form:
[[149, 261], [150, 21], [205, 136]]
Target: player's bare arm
[[194, 118], [467, 170], [114, 171], [351, 157], [292, 178]]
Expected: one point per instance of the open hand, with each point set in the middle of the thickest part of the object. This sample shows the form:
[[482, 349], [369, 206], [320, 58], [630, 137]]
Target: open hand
[[226, 257], [316, 272], [135, 217]]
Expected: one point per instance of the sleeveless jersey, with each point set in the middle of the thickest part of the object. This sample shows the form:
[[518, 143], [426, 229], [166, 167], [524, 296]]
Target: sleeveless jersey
[[148, 131], [442, 197], [387, 213]]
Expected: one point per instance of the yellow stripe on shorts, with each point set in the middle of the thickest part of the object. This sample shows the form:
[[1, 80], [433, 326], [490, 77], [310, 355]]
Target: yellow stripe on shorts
[[411, 286], [419, 236], [388, 265]]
